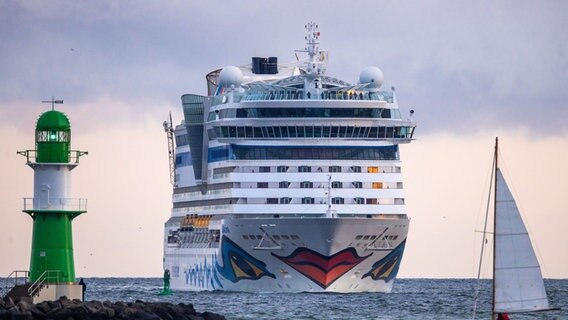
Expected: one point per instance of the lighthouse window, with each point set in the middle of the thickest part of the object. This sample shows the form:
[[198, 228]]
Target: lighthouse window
[[52, 136]]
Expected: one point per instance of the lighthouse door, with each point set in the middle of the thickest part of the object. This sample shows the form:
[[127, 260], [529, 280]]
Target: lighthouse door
[[43, 201]]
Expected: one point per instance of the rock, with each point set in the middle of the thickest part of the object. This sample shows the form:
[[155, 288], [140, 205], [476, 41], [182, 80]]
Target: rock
[[44, 307], [212, 316], [21, 315], [8, 302]]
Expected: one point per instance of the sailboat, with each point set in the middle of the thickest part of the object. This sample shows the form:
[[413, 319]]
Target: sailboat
[[517, 279]]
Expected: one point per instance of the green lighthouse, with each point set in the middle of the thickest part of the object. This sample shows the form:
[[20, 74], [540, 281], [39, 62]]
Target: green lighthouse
[[52, 270]]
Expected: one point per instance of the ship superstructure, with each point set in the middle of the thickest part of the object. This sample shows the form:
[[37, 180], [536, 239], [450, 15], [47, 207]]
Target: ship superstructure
[[287, 179]]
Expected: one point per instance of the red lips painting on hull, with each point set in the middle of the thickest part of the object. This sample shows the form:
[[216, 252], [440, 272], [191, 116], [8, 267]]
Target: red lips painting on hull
[[323, 270]]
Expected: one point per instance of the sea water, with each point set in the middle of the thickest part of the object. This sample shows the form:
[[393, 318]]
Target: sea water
[[410, 299]]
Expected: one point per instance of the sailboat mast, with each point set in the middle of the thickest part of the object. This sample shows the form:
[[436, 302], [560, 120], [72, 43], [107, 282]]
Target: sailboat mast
[[496, 166]]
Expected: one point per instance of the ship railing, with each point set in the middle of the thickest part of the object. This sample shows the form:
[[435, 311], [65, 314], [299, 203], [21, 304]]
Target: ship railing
[[55, 204], [48, 276], [325, 95]]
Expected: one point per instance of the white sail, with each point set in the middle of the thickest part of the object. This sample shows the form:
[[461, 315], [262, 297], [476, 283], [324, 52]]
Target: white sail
[[518, 280]]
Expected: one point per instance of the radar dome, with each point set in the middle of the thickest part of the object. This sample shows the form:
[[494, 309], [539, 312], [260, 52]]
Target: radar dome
[[373, 76], [231, 76]]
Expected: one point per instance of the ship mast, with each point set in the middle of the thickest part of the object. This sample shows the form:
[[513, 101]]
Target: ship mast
[[496, 166], [314, 66], [169, 129]]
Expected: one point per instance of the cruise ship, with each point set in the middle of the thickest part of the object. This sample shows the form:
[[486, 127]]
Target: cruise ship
[[286, 179]]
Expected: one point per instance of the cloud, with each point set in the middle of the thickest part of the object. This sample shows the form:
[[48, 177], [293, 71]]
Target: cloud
[[461, 67]]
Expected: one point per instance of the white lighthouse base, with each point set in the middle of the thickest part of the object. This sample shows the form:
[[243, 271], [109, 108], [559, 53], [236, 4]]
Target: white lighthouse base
[[51, 292]]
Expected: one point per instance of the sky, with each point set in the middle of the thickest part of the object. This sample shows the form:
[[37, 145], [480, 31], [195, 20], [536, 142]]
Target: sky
[[470, 70]]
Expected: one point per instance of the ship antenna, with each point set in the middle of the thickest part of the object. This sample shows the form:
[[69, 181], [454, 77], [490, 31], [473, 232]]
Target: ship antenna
[[316, 57]]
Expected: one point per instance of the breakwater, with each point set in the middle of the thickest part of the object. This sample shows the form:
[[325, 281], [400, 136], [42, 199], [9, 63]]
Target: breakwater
[[65, 309]]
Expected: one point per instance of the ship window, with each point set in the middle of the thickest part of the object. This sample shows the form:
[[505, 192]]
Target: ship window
[[357, 184], [337, 184], [373, 132], [257, 132], [284, 131], [285, 200], [358, 237], [317, 132], [326, 131], [334, 132], [306, 185], [277, 132], [182, 140], [272, 200], [395, 237], [366, 237], [294, 237], [335, 169], [372, 169], [232, 132], [264, 169], [249, 132], [262, 185], [308, 200], [359, 201], [292, 132], [236, 152], [282, 169], [251, 237], [240, 132], [377, 185], [300, 132], [305, 169], [337, 200], [258, 237], [372, 201], [276, 237], [373, 237], [284, 184], [245, 237], [285, 237], [356, 169]]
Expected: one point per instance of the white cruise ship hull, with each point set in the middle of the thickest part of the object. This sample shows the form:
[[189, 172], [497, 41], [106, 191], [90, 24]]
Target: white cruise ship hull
[[292, 255]]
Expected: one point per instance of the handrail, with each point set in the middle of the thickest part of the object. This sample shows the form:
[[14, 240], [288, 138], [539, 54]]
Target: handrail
[[14, 275], [45, 277]]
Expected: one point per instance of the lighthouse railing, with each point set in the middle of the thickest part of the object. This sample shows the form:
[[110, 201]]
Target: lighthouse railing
[[16, 277], [46, 277], [55, 204], [31, 155]]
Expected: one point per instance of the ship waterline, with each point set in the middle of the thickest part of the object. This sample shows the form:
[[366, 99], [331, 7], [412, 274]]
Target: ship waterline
[[287, 180]]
